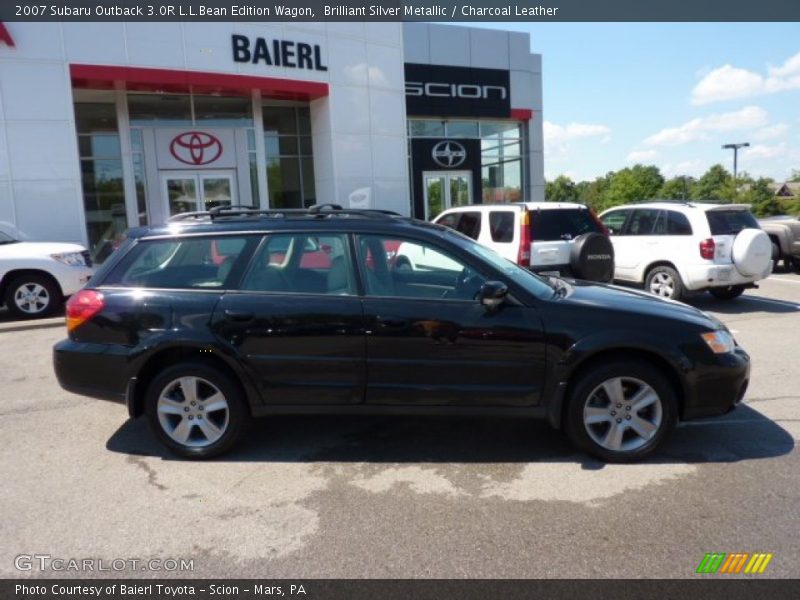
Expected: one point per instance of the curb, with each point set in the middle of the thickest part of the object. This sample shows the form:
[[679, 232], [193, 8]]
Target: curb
[[34, 324]]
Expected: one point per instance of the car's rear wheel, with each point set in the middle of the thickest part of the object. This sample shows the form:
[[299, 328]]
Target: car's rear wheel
[[665, 282], [196, 410], [728, 292], [32, 296], [620, 411]]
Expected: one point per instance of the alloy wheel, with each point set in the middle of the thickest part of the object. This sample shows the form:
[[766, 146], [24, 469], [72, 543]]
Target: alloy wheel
[[623, 414], [662, 285], [32, 298], [192, 411]]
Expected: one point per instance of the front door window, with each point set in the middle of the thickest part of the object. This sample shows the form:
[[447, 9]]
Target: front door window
[[446, 189], [197, 190]]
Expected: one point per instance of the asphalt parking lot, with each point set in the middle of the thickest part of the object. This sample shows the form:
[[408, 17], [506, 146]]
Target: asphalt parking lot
[[407, 497]]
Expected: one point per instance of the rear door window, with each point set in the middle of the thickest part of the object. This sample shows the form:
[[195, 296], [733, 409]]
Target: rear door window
[[727, 222], [183, 263], [501, 226], [554, 224], [615, 221], [450, 220], [643, 221], [671, 222], [470, 224]]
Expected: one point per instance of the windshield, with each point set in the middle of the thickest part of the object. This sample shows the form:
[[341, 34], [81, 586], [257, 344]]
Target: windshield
[[6, 239], [532, 283]]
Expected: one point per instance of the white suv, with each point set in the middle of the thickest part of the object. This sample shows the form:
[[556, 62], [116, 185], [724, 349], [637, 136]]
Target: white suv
[[35, 277], [561, 238], [675, 247]]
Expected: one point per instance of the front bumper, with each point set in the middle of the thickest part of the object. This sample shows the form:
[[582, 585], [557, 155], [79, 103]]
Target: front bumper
[[717, 385], [707, 276], [96, 370], [71, 279]]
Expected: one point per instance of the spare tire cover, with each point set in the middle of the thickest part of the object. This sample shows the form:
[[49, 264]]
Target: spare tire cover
[[751, 252], [592, 257]]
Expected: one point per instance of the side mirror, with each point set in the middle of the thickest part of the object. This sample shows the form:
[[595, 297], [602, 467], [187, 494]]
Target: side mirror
[[492, 294]]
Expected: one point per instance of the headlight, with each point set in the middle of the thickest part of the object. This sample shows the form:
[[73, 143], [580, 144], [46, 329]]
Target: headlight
[[720, 341], [73, 259]]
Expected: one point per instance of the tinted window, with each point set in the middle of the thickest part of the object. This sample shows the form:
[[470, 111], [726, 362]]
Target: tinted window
[[501, 226], [180, 263], [670, 222], [450, 220], [470, 224], [414, 270], [724, 222], [555, 224], [614, 221], [303, 264], [642, 222]]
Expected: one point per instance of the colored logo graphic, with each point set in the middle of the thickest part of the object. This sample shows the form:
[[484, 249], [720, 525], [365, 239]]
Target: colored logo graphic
[[735, 563], [449, 154], [195, 148]]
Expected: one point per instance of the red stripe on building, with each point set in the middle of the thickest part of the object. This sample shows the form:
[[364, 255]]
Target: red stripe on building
[[522, 114], [5, 36], [168, 80]]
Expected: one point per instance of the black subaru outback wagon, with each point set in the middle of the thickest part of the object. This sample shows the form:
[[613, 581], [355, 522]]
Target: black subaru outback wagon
[[220, 316]]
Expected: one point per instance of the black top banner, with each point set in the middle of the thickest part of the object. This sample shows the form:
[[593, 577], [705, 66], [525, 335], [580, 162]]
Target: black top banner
[[409, 10]]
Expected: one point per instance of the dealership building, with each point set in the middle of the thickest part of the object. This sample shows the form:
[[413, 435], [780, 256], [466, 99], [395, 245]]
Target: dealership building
[[104, 126]]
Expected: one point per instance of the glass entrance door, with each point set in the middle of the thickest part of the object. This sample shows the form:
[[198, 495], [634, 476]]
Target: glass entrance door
[[186, 191], [445, 189]]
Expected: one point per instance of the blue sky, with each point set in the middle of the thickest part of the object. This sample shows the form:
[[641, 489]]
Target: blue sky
[[668, 94]]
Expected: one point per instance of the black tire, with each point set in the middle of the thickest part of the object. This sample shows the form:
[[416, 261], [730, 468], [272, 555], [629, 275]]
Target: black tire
[[584, 390], [793, 264], [235, 425], [592, 258], [51, 296], [727, 293], [668, 278]]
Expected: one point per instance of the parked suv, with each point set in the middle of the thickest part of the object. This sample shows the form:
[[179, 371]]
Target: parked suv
[[200, 344], [561, 238], [676, 247], [784, 233], [35, 277]]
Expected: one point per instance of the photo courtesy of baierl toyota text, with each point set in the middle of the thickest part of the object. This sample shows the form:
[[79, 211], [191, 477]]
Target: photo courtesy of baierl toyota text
[[399, 299]]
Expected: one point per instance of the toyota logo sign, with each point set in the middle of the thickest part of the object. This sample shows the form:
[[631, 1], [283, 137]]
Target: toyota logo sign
[[195, 148], [449, 154]]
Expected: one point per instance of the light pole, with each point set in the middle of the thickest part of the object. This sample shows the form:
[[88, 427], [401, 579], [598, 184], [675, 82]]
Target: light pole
[[735, 148]]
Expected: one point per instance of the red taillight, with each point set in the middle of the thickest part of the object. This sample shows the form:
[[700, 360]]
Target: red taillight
[[83, 306], [524, 252], [707, 248], [598, 222]]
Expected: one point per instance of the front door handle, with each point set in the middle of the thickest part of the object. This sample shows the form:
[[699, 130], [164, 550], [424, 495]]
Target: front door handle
[[392, 322], [238, 315]]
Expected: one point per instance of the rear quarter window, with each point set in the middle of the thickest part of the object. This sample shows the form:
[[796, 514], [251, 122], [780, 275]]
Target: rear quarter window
[[181, 263], [555, 224], [501, 226], [727, 222], [470, 224]]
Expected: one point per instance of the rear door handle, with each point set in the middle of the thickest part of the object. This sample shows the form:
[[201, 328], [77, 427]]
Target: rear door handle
[[238, 315]]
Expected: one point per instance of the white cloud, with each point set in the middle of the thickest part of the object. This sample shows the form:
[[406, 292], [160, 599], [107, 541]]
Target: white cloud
[[764, 151], [699, 128], [557, 138], [692, 168], [771, 132], [728, 82], [637, 156]]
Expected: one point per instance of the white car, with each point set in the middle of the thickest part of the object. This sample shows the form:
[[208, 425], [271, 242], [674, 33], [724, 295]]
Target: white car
[[560, 238], [676, 247], [35, 277]]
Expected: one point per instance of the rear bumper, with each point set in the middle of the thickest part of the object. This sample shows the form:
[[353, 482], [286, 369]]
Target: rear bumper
[[702, 277], [96, 370], [717, 386]]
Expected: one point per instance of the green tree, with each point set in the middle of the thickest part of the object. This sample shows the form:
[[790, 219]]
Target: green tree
[[677, 188], [562, 189], [763, 199], [633, 184], [795, 177], [715, 184], [594, 193]]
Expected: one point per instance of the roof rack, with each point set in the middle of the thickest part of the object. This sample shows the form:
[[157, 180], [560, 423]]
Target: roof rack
[[667, 201], [315, 211]]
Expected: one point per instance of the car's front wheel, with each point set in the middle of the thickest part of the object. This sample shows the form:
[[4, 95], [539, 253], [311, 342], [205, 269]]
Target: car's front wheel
[[620, 411], [32, 296], [196, 410]]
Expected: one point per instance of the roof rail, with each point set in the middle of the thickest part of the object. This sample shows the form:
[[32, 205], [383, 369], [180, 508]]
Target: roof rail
[[665, 201], [315, 211]]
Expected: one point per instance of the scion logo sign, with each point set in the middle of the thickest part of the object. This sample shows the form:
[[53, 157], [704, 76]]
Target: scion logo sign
[[449, 154], [195, 148], [437, 91]]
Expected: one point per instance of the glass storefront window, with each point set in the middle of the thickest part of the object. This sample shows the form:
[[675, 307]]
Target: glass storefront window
[[425, 128], [219, 111], [290, 165], [463, 129], [159, 110], [500, 129]]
